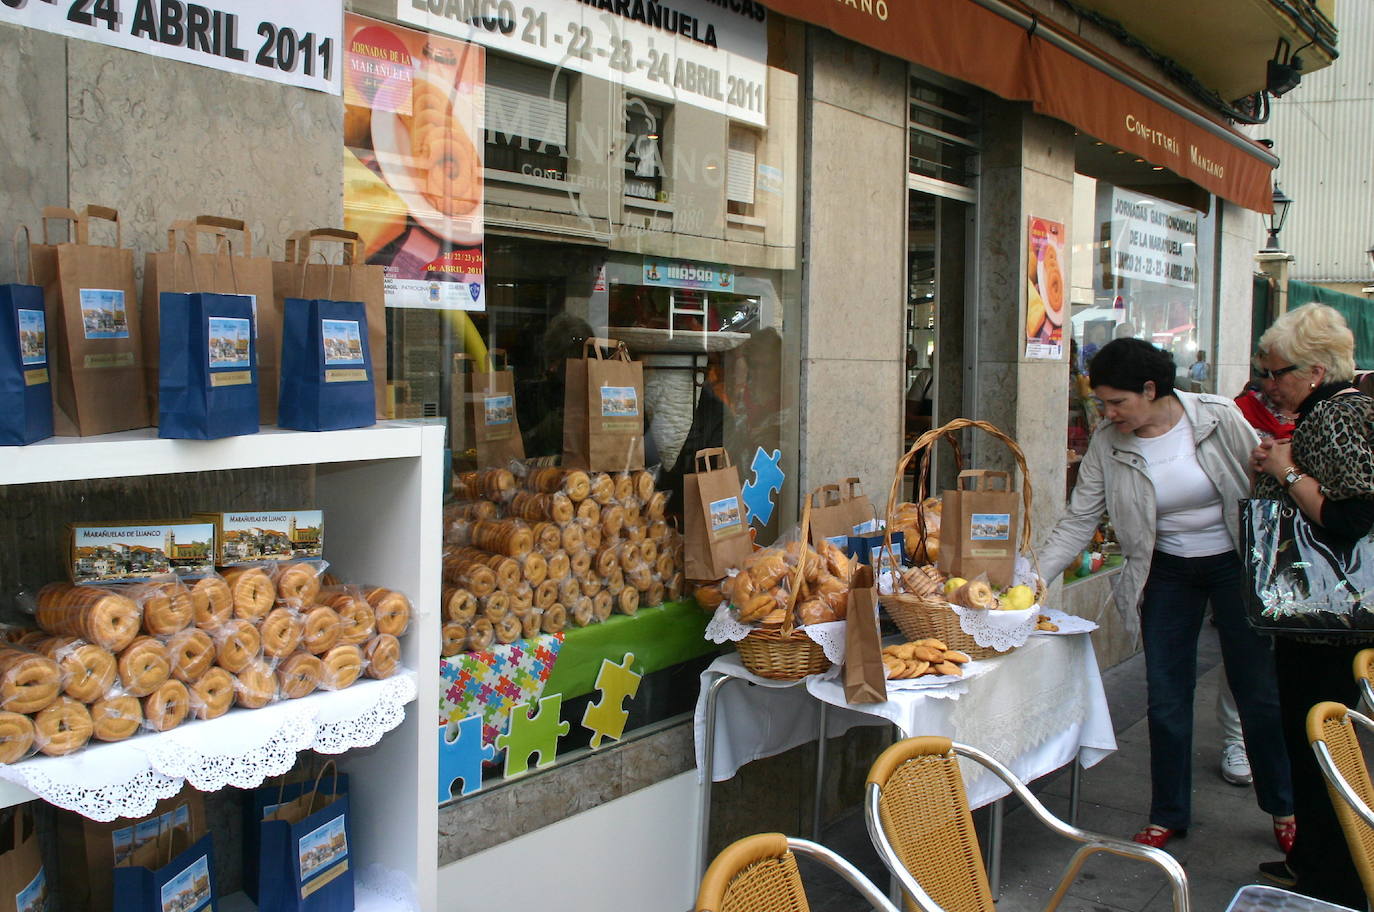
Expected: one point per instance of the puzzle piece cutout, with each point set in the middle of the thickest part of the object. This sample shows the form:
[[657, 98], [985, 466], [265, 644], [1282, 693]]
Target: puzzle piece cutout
[[768, 479], [616, 682], [462, 757], [533, 735]]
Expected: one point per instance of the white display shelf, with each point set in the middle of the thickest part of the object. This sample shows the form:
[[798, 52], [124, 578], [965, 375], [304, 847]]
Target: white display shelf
[[142, 452], [382, 492]]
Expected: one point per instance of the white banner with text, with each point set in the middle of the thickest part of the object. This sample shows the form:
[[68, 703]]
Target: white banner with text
[[711, 54], [293, 43], [1153, 240]]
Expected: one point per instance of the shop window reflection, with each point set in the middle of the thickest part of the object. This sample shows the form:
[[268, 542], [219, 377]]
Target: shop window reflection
[[645, 138]]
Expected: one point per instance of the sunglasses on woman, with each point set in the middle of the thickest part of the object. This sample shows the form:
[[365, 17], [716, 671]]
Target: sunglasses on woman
[[1262, 374]]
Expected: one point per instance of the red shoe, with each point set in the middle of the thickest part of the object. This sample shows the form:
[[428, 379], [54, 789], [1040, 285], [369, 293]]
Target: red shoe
[[1285, 832], [1157, 836]]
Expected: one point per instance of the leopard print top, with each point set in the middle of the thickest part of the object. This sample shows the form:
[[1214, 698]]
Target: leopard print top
[[1335, 445]]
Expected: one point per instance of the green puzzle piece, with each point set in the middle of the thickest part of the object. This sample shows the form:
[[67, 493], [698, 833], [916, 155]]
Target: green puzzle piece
[[533, 735], [616, 682]]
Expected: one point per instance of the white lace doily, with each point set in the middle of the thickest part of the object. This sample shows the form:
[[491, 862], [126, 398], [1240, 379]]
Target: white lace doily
[[996, 629], [724, 627], [1068, 624], [377, 887], [242, 748]]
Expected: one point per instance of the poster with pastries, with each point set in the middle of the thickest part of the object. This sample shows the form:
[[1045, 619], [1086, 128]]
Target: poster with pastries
[[1045, 289], [413, 161]]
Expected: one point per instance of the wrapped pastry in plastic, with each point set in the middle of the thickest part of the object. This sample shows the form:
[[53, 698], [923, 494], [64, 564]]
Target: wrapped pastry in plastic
[[382, 656], [212, 694], [88, 671], [212, 602], [357, 620], [282, 630], [62, 727], [481, 634], [531, 621], [167, 707], [340, 667], [191, 653], [16, 737], [298, 675], [322, 628], [167, 605], [255, 685], [453, 638], [510, 537], [94, 613], [460, 606], [252, 590], [298, 583], [237, 645], [145, 665], [116, 717], [392, 609], [29, 682]]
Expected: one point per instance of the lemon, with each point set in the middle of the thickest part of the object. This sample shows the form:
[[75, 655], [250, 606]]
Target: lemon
[[1018, 598], [954, 582]]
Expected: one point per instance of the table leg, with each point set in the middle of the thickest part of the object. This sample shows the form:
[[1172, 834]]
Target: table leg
[[819, 798], [707, 773], [1075, 790], [994, 853]]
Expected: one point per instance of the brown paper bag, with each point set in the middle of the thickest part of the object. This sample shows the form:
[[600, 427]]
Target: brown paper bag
[[829, 514], [230, 269], [484, 419], [88, 850], [603, 424], [716, 529], [23, 882], [93, 313], [857, 505], [352, 280], [865, 679], [978, 527]]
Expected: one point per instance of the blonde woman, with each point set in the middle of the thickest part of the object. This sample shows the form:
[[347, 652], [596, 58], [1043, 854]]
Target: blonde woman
[[1306, 365]]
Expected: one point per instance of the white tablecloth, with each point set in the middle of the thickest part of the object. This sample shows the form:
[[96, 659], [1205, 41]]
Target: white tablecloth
[[1034, 709]]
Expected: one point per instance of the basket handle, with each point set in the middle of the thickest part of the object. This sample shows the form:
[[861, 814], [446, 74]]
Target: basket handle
[[928, 439], [804, 539]]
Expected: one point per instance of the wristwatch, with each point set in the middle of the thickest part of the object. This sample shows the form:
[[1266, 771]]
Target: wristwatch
[[1291, 476]]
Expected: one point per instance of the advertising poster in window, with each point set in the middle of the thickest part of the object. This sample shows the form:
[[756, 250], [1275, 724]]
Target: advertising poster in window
[[413, 165], [1045, 289]]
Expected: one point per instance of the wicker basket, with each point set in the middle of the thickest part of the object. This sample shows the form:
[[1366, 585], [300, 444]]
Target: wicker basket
[[785, 654], [920, 617]]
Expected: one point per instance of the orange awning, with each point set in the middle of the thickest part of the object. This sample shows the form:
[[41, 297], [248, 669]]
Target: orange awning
[[967, 41]]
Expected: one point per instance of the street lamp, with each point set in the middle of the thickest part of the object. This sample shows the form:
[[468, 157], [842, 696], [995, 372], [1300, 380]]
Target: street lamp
[[1276, 220]]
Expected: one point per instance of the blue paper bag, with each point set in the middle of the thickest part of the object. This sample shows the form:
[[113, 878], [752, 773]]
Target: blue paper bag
[[304, 857], [25, 387], [869, 548], [184, 884], [326, 366], [264, 801], [208, 376]]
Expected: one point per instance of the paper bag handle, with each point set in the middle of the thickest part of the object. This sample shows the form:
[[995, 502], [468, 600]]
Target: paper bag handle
[[704, 458], [301, 243], [104, 214], [491, 360], [981, 477], [76, 234], [314, 793], [853, 486], [228, 243], [190, 260], [462, 361], [829, 495], [305, 268], [595, 344], [28, 240], [227, 224]]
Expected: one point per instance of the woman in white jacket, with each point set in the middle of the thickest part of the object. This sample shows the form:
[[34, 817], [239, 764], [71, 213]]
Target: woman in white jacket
[[1170, 469]]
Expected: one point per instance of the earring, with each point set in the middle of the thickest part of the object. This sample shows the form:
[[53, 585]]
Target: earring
[[1311, 386]]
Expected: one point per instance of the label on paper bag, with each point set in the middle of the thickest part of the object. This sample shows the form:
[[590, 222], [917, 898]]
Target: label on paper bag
[[34, 896], [189, 890], [139, 552], [990, 527], [726, 517], [499, 410], [230, 344], [323, 855], [33, 337], [620, 408], [342, 342], [35, 377], [103, 315], [113, 359]]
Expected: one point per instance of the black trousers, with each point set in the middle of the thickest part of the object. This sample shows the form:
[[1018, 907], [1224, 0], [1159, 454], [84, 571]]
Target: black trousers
[[1309, 674]]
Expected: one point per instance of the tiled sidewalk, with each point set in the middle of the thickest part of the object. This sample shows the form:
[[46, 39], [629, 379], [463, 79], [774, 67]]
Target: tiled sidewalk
[[1229, 836]]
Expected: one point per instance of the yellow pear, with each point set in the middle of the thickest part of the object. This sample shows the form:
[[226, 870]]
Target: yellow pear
[[954, 582], [1018, 598]]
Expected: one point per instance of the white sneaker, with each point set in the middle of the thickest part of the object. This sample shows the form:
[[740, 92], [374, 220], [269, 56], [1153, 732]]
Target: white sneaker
[[1235, 764]]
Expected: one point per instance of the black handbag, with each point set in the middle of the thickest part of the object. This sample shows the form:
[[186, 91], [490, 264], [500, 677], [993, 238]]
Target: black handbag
[[1302, 579]]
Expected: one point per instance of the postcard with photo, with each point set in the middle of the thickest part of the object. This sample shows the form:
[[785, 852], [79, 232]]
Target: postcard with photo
[[134, 553], [229, 343], [123, 840], [189, 890], [34, 897], [500, 409], [342, 342], [272, 535], [103, 315], [619, 402], [322, 847], [33, 337], [726, 516], [990, 526]]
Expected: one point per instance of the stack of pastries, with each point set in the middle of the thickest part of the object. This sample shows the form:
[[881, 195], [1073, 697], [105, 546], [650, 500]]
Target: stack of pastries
[[558, 547], [762, 589], [107, 661]]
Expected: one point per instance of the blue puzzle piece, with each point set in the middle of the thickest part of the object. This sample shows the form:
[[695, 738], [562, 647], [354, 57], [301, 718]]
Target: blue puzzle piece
[[768, 478], [462, 757]]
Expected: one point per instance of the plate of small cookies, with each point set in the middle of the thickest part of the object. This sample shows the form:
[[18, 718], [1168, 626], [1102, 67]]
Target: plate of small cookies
[[924, 663]]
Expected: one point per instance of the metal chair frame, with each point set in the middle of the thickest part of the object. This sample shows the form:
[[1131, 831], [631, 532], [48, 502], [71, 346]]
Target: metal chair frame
[[1333, 774], [1093, 843], [828, 857]]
